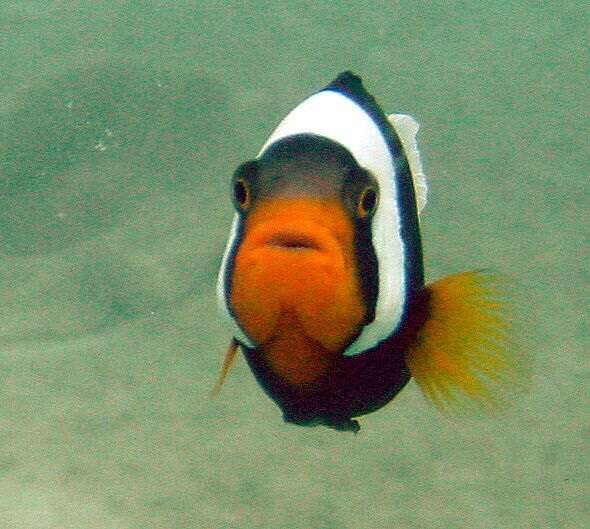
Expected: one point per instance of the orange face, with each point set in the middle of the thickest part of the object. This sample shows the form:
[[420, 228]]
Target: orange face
[[295, 287]]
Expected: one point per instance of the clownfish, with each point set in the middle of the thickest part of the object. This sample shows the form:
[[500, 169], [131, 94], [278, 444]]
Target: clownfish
[[322, 279]]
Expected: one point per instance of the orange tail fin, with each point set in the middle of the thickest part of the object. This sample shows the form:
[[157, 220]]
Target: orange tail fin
[[228, 362], [466, 355]]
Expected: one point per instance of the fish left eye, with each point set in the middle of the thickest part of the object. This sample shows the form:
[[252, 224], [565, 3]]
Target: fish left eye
[[241, 194], [367, 203]]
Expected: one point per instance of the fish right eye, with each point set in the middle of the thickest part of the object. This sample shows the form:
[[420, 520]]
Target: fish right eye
[[241, 194], [367, 203]]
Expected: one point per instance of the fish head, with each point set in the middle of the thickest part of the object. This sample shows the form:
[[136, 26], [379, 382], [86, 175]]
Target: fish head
[[306, 208]]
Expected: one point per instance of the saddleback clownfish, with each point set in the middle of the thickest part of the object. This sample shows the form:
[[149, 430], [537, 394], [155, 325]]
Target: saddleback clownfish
[[323, 280]]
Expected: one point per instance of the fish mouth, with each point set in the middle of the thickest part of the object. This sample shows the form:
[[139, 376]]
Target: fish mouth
[[293, 241]]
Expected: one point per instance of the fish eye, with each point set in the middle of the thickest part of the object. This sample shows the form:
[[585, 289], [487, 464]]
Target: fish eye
[[367, 203], [241, 194]]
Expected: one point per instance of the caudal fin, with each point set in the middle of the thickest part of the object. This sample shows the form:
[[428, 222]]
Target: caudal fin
[[466, 355]]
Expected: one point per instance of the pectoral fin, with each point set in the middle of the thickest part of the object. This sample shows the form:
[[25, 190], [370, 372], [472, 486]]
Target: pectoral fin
[[228, 362]]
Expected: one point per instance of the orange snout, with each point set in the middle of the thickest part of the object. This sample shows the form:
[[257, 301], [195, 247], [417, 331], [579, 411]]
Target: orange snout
[[295, 288]]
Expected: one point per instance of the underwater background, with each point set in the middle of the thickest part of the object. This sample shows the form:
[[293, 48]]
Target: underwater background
[[120, 127]]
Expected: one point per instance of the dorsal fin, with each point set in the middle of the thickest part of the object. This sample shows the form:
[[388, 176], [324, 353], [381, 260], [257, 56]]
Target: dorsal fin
[[407, 129], [351, 85]]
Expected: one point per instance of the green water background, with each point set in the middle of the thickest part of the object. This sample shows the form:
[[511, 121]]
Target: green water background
[[119, 129]]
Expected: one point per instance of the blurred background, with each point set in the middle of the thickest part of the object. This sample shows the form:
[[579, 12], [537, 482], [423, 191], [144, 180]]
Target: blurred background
[[120, 128]]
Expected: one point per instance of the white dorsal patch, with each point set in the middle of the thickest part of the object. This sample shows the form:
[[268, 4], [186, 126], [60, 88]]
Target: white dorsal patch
[[407, 129]]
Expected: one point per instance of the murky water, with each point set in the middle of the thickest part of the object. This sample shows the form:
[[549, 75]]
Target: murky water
[[119, 130]]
